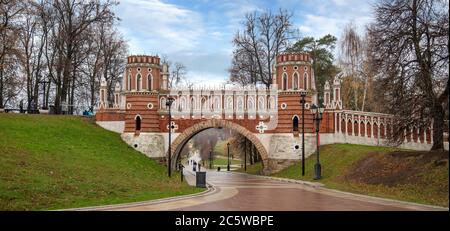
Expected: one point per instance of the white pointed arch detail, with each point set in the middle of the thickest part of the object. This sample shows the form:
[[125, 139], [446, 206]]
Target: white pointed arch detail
[[150, 81], [295, 81], [284, 81]]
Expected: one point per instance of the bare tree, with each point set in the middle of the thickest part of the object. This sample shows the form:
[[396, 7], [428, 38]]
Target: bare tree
[[264, 36], [178, 74], [409, 41], [243, 68], [10, 11], [356, 68], [73, 18], [32, 49]]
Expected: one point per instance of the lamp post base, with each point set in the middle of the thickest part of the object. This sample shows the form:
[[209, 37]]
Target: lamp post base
[[228, 168], [317, 171]]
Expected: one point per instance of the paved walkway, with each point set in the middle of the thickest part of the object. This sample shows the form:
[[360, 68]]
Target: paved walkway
[[234, 192]]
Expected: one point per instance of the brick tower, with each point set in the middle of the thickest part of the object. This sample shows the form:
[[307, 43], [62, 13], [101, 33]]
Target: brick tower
[[293, 74], [144, 78]]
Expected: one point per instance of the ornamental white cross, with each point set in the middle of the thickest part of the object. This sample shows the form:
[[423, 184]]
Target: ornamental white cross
[[174, 126], [261, 127]]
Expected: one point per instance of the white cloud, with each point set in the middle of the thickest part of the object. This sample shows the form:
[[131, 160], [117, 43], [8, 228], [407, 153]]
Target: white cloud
[[321, 19], [152, 24], [200, 34]]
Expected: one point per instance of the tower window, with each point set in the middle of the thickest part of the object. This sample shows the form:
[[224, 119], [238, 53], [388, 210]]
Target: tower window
[[295, 123], [129, 82], [138, 123], [138, 82], [305, 81], [284, 82], [295, 81], [149, 82]]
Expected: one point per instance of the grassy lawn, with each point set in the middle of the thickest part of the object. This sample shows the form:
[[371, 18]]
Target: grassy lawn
[[221, 148], [420, 177], [54, 162], [224, 161], [252, 169]]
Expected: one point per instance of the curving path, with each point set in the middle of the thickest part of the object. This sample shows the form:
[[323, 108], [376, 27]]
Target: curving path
[[234, 191]]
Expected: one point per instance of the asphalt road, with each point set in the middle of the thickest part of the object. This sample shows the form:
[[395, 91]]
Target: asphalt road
[[256, 193], [243, 192]]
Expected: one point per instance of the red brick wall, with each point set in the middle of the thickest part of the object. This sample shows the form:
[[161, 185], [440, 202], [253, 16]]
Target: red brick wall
[[110, 115], [149, 117]]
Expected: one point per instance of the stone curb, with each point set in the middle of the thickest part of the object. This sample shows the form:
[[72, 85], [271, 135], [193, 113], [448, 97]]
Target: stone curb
[[388, 201], [211, 189], [356, 196]]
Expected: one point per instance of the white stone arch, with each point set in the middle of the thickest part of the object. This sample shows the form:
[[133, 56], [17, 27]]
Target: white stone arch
[[240, 103], [162, 103], [183, 104], [261, 103], [217, 103], [229, 102], [295, 81], [193, 103], [272, 103], [179, 142], [204, 103], [250, 103]]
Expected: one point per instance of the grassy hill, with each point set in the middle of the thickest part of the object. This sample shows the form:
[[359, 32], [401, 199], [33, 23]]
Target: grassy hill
[[53, 162], [379, 171]]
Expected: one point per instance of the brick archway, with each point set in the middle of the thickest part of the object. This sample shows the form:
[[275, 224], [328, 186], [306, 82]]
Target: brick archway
[[190, 132]]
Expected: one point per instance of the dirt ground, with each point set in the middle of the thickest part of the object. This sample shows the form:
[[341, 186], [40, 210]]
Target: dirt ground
[[397, 168]]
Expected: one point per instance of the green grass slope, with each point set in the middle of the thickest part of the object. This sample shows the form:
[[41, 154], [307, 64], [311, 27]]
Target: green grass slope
[[54, 162], [420, 177]]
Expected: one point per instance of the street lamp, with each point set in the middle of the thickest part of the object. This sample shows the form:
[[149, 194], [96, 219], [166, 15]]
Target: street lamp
[[43, 95], [302, 101], [317, 117], [245, 155], [210, 159], [228, 147], [181, 171], [169, 104]]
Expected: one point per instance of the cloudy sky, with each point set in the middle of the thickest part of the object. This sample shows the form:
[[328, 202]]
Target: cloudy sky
[[199, 33]]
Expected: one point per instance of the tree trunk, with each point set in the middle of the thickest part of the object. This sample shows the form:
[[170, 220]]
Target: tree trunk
[[364, 94], [1, 87], [47, 93], [72, 92], [438, 128]]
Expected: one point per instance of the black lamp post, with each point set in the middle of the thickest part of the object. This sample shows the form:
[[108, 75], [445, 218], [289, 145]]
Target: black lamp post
[[181, 171], [302, 101], [228, 147], [169, 104], [43, 95], [317, 117], [210, 159], [245, 155]]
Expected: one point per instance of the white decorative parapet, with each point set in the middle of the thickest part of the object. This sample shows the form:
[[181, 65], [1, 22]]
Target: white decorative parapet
[[371, 128]]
